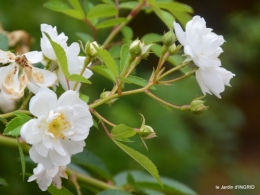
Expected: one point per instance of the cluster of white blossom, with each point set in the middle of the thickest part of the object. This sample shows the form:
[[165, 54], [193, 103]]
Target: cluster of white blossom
[[60, 125], [202, 46]]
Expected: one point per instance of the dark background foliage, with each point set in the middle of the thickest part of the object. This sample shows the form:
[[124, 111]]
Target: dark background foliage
[[219, 147]]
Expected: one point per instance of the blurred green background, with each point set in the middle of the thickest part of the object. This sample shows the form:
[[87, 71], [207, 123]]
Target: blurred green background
[[219, 147]]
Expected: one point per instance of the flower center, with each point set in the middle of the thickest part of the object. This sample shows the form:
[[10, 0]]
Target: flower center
[[58, 125]]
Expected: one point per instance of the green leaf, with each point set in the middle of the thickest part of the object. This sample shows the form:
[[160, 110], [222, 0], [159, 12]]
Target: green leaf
[[88, 6], [139, 81], [3, 183], [21, 157], [127, 33], [61, 56], [113, 192], [85, 37], [122, 131], [76, 5], [143, 180], [174, 6], [142, 160], [182, 17], [104, 71], [165, 16], [60, 6], [14, 126], [124, 55], [3, 42], [111, 22], [101, 11], [128, 5], [152, 38], [78, 78], [63, 191], [84, 97], [115, 51], [93, 164], [108, 60], [109, 2]]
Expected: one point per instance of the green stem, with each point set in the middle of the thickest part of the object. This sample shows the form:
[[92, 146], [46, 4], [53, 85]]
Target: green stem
[[86, 62], [131, 15], [102, 118], [12, 114], [133, 65], [184, 107], [24, 104], [173, 70], [12, 143]]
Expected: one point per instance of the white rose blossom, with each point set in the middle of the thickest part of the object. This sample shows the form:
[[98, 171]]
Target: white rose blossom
[[20, 73], [45, 177], [202, 46], [75, 62], [60, 128]]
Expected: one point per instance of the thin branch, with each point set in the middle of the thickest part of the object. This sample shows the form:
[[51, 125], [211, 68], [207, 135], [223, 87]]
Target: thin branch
[[102, 118]]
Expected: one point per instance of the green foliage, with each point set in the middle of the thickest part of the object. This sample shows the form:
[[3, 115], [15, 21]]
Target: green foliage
[[138, 81], [127, 33], [63, 191], [60, 6], [104, 71], [3, 42], [122, 131], [113, 192], [128, 5], [152, 38], [14, 126], [84, 97], [102, 11], [21, 157], [111, 22], [142, 160], [85, 37], [124, 56], [143, 180], [3, 183]]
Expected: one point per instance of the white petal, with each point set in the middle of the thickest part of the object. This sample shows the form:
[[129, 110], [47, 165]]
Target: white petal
[[70, 98], [74, 147], [6, 57], [36, 157], [34, 57], [59, 160], [43, 102], [180, 34], [58, 147], [43, 77]]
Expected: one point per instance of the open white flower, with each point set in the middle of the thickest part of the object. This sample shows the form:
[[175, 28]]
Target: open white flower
[[60, 128], [45, 177], [19, 74], [75, 62], [202, 46]]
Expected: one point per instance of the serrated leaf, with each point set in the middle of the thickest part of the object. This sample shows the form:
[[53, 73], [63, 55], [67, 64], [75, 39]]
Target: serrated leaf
[[142, 160], [101, 11], [3, 42], [144, 180], [165, 16], [60, 6], [93, 164], [124, 54], [84, 97], [14, 126], [63, 191], [3, 183], [104, 71], [152, 38], [128, 5], [127, 33], [61, 56], [111, 22], [78, 78], [21, 157], [108, 60], [122, 131], [113, 192], [139, 81], [115, 51], [84, 37]]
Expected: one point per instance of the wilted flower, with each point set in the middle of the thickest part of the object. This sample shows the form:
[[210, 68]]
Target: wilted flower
[[45, 177], [60, 128], [20, 74], [75, 62], [202, 46]]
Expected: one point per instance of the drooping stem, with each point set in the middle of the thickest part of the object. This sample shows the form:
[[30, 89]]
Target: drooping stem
[[102, 118], [86, 62], [130, 16], [184, 107]]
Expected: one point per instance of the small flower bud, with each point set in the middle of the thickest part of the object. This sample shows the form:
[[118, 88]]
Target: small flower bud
[[106, 94], [136, 48], [90, 49], [147, 132], [169, 38], [173, 49], [197, 106]]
